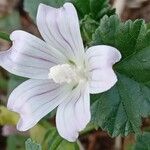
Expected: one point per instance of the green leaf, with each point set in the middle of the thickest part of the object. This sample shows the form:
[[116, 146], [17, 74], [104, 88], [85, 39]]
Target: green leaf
[[53, 141], [143, 142], [4, 36], [97, 8], [120, 109], [31, 145], [83, 7]]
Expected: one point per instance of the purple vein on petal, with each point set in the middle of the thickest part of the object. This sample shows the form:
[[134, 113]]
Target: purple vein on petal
[[64, 37], [71, 36], [37, 58], [50, 54], [39, 95], [53, 36], [43, 105], [31, 88], [25, 65], [47, 102]]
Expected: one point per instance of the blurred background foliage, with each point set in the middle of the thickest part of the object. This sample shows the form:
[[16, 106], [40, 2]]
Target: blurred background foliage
[[21, 14]]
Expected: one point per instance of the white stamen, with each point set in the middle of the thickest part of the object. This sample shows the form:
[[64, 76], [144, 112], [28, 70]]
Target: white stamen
[[65, 73]]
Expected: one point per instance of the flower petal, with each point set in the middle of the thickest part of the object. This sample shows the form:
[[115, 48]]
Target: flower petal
[[60, 28], [101, 59], [28, 57], [34, 99], [74, 114]]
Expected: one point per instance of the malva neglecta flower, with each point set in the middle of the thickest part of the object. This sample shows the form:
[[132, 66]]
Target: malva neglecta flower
[[62, 73]]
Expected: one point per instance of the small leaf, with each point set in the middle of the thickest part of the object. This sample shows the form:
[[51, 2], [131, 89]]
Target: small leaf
[[88, 27], [31, 145]]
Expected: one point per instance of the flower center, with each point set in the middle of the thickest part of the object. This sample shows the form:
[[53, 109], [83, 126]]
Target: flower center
[[68, 73]]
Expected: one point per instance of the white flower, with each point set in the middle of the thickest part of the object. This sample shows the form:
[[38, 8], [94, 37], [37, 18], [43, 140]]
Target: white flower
[[61, 72]]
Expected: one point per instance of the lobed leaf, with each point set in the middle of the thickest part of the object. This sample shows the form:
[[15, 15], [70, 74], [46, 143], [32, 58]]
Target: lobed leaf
[[120, 109]]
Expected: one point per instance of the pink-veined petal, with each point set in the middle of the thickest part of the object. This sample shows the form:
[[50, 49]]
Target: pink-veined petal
[[28, 57], [60, 28], [101, 58], [34, 99], [73, 114]]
